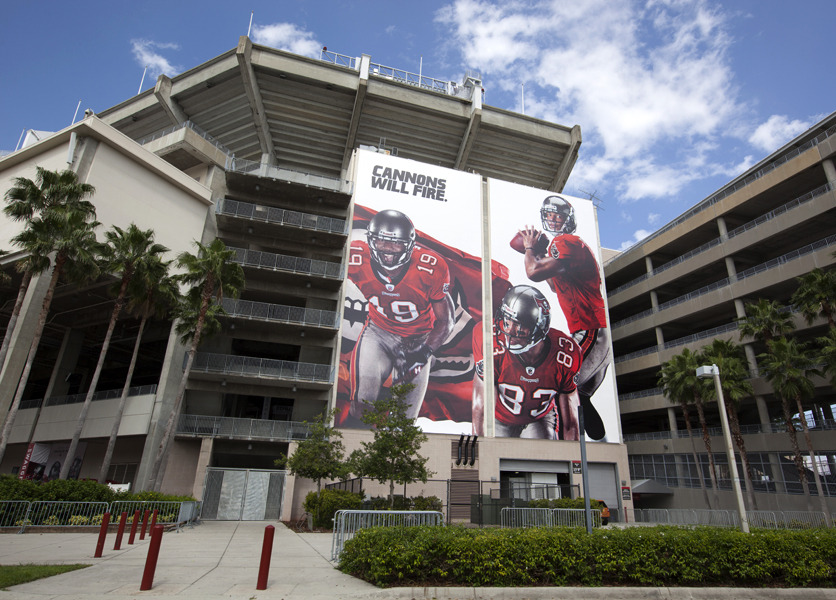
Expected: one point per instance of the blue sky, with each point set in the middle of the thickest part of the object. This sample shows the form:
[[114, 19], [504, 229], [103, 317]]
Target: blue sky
[[674, 97]]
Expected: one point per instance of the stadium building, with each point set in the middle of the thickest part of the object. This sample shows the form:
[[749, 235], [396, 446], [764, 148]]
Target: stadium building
[[688, 284], [287, 160]]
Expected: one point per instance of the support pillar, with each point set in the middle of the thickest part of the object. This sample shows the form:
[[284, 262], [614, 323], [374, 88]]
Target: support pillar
[[204, 460], [59, 384], [829, 170]]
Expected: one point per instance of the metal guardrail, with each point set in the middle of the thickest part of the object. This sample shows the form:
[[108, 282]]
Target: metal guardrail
[[24, 514], [230, 364], [348, 522], [753, 429], [280, 313], [291, 264], [280, 216], [231, 427], [251, 167], [547, 517], [341, 60], [764, 519], [141, 390]]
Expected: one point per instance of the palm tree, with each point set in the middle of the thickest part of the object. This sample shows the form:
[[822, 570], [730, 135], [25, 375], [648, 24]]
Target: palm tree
[[765, 320], [212, 274], [151, 293], [122, 252], [26, 200], [827, 353], [68, 231], [728, 356], [788, 366], [679, 383], [814, 295]]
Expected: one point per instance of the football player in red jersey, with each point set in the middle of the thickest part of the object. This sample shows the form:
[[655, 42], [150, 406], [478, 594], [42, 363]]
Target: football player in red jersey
[[535, 371], [569, 267], [410, 311]]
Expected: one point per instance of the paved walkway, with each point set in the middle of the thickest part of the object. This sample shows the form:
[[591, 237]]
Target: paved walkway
[[219, 559]]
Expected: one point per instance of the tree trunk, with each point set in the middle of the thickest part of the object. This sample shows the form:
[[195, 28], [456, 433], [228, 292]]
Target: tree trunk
[[33, 349], [391, 494], [744, 457], [706, 439], [697, 464], [88, 399], [114, 432], [796, 452], [822, 492], [10, 326]]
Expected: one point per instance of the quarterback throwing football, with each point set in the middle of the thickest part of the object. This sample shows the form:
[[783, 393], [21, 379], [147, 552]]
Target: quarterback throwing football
[[410, 311], [568, 265], [535, 371]]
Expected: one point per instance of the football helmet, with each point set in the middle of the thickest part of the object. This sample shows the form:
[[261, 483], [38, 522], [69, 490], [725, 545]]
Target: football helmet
[[391, 239], [524, 314], [558, 205]]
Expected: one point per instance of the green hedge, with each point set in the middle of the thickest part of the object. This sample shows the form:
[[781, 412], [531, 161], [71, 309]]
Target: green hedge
[[327, 502], [404, 503], [563, 503], [639, 556], [71, 490]]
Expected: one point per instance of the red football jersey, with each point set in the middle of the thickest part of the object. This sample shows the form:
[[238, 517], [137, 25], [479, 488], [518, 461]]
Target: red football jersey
[[527, 393], [401, 306], [578, 288]]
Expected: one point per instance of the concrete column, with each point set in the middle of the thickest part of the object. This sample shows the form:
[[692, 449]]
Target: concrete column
[[739, 308], [763, 410], [721, 226], [654, 300], [829, 170], [648, 263], [730, 268], [672, 419], [59, 384], [660, 338], [750, 358], [777, 473], [204, 460]]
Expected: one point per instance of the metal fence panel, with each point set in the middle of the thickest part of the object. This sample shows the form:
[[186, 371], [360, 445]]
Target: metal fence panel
[[348, 522], [13, 512], [575, 517], [526, 517], [64, 514]]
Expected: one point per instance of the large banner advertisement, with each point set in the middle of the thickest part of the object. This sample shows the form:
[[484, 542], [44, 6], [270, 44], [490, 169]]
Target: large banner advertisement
[[551, 344], [413, 291]]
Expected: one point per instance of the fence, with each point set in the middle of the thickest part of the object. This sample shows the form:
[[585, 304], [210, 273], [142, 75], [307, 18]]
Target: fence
[[280, 216], [230, 364], [348, 522], [23, 514], [548, 517], [248, 429], [764, 519]]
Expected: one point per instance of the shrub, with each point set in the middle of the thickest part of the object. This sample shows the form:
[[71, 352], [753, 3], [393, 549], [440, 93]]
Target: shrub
[[327, 502], [426, 503], [51, 520], [661, 556], [80, 520]]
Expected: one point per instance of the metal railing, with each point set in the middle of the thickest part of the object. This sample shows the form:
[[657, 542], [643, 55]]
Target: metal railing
[[186, 125], [250, 429], [764, 519], [450, 88], [251, 167], [141, 390], [280, 313], [168, 512], [547, 517], [789, 256], [291, 264], [341, 60], [734, 187], [280, 216], [229, 364], [348, 522], [751, 429], [688, 339]]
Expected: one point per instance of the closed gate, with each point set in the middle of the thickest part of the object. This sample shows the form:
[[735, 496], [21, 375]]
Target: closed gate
[[243, 495]]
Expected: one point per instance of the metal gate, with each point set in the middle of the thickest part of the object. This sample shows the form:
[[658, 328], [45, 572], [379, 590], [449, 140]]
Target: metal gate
[[243, 495]]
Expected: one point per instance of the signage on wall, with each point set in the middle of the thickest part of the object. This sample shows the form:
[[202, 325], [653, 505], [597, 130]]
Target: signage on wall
[[576, 467]]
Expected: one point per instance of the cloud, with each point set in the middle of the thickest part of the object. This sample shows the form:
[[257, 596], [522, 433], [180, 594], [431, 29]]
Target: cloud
[[776, 131], [287, 36], [626, 217], [650, 82], [638, 236], [653, 218], [145, 53]]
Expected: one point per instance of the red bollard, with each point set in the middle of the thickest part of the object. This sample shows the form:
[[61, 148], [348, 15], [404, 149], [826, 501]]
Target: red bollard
[[144, 524], [102, 535], [154, 518], [151, 560], [266, 553], [120, 532], [134, 523]]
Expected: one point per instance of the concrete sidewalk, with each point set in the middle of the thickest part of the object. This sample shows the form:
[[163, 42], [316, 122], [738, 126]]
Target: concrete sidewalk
[[219, 559]]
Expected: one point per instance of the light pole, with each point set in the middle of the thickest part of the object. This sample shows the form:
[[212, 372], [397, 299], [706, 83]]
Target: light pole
[[714, 371]]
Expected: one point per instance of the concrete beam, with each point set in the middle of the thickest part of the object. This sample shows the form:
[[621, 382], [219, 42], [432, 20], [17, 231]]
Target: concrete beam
[[568, 162], [244, 55], [469, 135], [357, 111], [162, 92]]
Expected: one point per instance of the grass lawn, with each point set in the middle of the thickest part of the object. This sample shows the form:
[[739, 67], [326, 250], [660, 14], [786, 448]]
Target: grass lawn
[[17, 574]]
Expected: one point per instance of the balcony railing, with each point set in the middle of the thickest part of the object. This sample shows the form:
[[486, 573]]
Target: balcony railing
[[290, 264], [279, 216], [279, 313], [754, 429], [248, 429], [186, 125], [141, 390], [263, 368], [251, 167]]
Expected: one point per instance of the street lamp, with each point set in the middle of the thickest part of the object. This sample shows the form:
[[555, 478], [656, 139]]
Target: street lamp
[[706, 372]]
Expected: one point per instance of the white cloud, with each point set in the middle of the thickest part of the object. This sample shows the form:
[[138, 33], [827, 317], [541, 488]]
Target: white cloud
[[287, 36], [145, 53], [626, 217], [653, 218], [650, 82], [638, 236], [776, 131]]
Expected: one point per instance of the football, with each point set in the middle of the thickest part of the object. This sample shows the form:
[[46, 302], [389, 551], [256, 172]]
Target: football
[[539, 247]]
